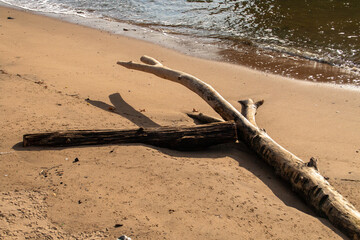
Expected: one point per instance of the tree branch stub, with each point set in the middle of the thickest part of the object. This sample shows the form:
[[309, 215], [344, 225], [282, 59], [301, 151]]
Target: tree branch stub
[[249, 109]]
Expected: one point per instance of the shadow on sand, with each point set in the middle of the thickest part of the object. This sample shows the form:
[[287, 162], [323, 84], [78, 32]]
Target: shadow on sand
[[125, 110], [237, 151]]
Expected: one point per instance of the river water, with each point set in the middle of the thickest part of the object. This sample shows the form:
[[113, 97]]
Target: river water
[[316, 40]]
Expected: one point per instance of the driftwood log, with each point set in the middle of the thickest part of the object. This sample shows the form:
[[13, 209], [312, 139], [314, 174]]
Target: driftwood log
[[180, 138], [303, 177]]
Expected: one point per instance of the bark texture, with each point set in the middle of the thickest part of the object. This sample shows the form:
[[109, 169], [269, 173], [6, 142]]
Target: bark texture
[[304, 179], [180, 138]]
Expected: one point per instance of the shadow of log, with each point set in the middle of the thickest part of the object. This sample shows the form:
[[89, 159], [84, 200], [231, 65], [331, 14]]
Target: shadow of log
[[122, 108]]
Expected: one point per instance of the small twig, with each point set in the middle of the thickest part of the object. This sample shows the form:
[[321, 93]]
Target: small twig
[[202, 118], [4, 153], [349, 180]]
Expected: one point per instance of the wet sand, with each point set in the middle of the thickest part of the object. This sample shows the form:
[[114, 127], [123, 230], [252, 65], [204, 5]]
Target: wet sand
[[291, 66], [48, 70]]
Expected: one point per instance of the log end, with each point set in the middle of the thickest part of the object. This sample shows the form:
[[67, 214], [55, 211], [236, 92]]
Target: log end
[[124, 64], [313, 163], [25, 142], [259, 103]]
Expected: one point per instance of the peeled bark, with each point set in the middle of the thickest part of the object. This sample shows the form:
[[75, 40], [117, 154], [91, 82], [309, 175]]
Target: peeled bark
[[304, 179], [180, 138]]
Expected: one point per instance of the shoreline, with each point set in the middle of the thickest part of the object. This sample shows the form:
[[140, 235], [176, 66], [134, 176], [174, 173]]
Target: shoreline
[[278, 62], [60, 76]]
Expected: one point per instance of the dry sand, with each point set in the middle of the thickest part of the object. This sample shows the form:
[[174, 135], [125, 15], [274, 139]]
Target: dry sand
[[49, 68]]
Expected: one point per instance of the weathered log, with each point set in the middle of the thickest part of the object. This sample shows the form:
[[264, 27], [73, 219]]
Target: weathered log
[[180, 138], [305, 180]]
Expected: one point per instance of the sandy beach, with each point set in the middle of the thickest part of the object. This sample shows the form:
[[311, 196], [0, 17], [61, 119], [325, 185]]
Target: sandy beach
[[60, 76]]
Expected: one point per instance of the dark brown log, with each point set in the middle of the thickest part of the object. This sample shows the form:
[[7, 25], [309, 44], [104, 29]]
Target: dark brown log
[[180, 138], [305, 180]]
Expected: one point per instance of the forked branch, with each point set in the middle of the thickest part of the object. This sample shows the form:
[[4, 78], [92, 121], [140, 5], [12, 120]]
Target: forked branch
[[204, 90], [249, 108], [304, 179]]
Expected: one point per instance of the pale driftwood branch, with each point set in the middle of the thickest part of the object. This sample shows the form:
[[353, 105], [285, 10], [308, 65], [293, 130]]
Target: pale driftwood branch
[[208, 93], [202, 118], [249, 108], [180, 138], [306, 181]]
